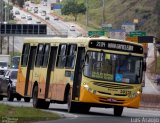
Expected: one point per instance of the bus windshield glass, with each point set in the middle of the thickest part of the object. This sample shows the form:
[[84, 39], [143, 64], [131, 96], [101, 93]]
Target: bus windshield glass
[[113, 67]]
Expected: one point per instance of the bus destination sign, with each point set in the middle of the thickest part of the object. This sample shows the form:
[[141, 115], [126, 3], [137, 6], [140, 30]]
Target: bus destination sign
[[116, 46]]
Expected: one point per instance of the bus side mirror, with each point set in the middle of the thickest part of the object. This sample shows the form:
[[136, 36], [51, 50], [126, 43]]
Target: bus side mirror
[[144, 66]]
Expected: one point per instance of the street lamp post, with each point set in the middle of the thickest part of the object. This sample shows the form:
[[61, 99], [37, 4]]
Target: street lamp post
[[5, 15], [6, 21], [103, 11], [86, 14]]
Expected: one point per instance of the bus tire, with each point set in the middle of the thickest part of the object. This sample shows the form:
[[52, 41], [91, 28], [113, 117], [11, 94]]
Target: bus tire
[[83, 108], [18, 98], [37, 103], [118, 110], [9, 95], [71, 105], [45, 105], [1, 97], [27, 99]]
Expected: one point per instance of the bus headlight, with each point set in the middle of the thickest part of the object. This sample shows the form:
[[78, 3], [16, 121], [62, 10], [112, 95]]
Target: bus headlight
[[86, 86], [138, 92], [89, 89], [134, 94]]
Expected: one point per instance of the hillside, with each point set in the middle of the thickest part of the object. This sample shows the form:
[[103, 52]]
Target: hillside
[[118, 11]]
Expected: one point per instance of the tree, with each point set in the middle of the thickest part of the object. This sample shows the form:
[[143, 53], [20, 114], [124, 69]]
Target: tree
[[73, 8]]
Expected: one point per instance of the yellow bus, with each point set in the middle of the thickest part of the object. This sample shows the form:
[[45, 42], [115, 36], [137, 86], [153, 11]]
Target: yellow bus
[[81, 72]]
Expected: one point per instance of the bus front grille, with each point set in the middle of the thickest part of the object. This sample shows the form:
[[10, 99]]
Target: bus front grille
[[112, 85], [104, 93], [110, 100]]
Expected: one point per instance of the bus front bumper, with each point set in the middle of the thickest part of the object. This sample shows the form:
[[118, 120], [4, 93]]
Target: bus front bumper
[[89, 97]]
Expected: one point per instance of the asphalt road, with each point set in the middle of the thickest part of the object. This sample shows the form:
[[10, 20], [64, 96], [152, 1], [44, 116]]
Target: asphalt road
[[58, 24], [97, 115]]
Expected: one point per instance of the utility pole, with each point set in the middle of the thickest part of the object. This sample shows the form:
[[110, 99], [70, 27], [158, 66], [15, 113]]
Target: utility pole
[[86, 14], [1, 20], [13, 45], [103, 12]]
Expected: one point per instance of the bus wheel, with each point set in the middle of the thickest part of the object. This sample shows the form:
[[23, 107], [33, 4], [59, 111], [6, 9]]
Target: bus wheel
[[36, 102], [1, 97], [27, 99], [83, 108], [45, 105], [71, 105], [118, 110], [9, 95], [18, 98]]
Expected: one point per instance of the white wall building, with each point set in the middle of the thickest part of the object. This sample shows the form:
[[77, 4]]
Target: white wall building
[[128, 27]]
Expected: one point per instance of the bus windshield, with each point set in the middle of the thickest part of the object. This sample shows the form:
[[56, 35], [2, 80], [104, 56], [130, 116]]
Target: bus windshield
[[113, 67]]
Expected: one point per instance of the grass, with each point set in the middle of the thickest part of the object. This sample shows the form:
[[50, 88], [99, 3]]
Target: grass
[[25, 114], [116, 12]]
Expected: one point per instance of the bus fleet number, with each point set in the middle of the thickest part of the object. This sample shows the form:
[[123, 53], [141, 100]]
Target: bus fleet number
[[100, 44]]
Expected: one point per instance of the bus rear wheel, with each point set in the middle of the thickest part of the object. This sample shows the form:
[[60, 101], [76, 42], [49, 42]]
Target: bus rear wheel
[[39, 103], [71, 105], [18, 98], [27, 99], [36, 101], [45, 105], [118, 110]]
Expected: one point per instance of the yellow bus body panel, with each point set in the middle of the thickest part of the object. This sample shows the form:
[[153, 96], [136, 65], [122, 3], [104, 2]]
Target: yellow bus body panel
[[20, 85]]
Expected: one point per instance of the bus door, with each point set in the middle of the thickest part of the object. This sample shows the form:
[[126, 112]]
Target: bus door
[[39, 73], [29, 73], [51, 64], [78, 72], [22, 71]]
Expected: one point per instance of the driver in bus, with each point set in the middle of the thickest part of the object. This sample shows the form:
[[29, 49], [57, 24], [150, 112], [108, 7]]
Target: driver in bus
[[123, 67]]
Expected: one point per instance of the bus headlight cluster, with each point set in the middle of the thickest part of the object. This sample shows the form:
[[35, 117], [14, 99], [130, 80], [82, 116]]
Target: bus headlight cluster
[[89, 89], [138, 92], [86, 86], [134, 94]]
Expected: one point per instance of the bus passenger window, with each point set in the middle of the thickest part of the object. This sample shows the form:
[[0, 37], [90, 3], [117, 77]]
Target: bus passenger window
[[46, 55], [25, 54], [39, 56], [71, 56], [61, 58]]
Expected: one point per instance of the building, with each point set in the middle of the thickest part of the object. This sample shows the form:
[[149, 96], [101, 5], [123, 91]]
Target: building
[[128, 27]]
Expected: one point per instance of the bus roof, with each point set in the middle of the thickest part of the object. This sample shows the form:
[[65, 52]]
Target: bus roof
[[82, 40]]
